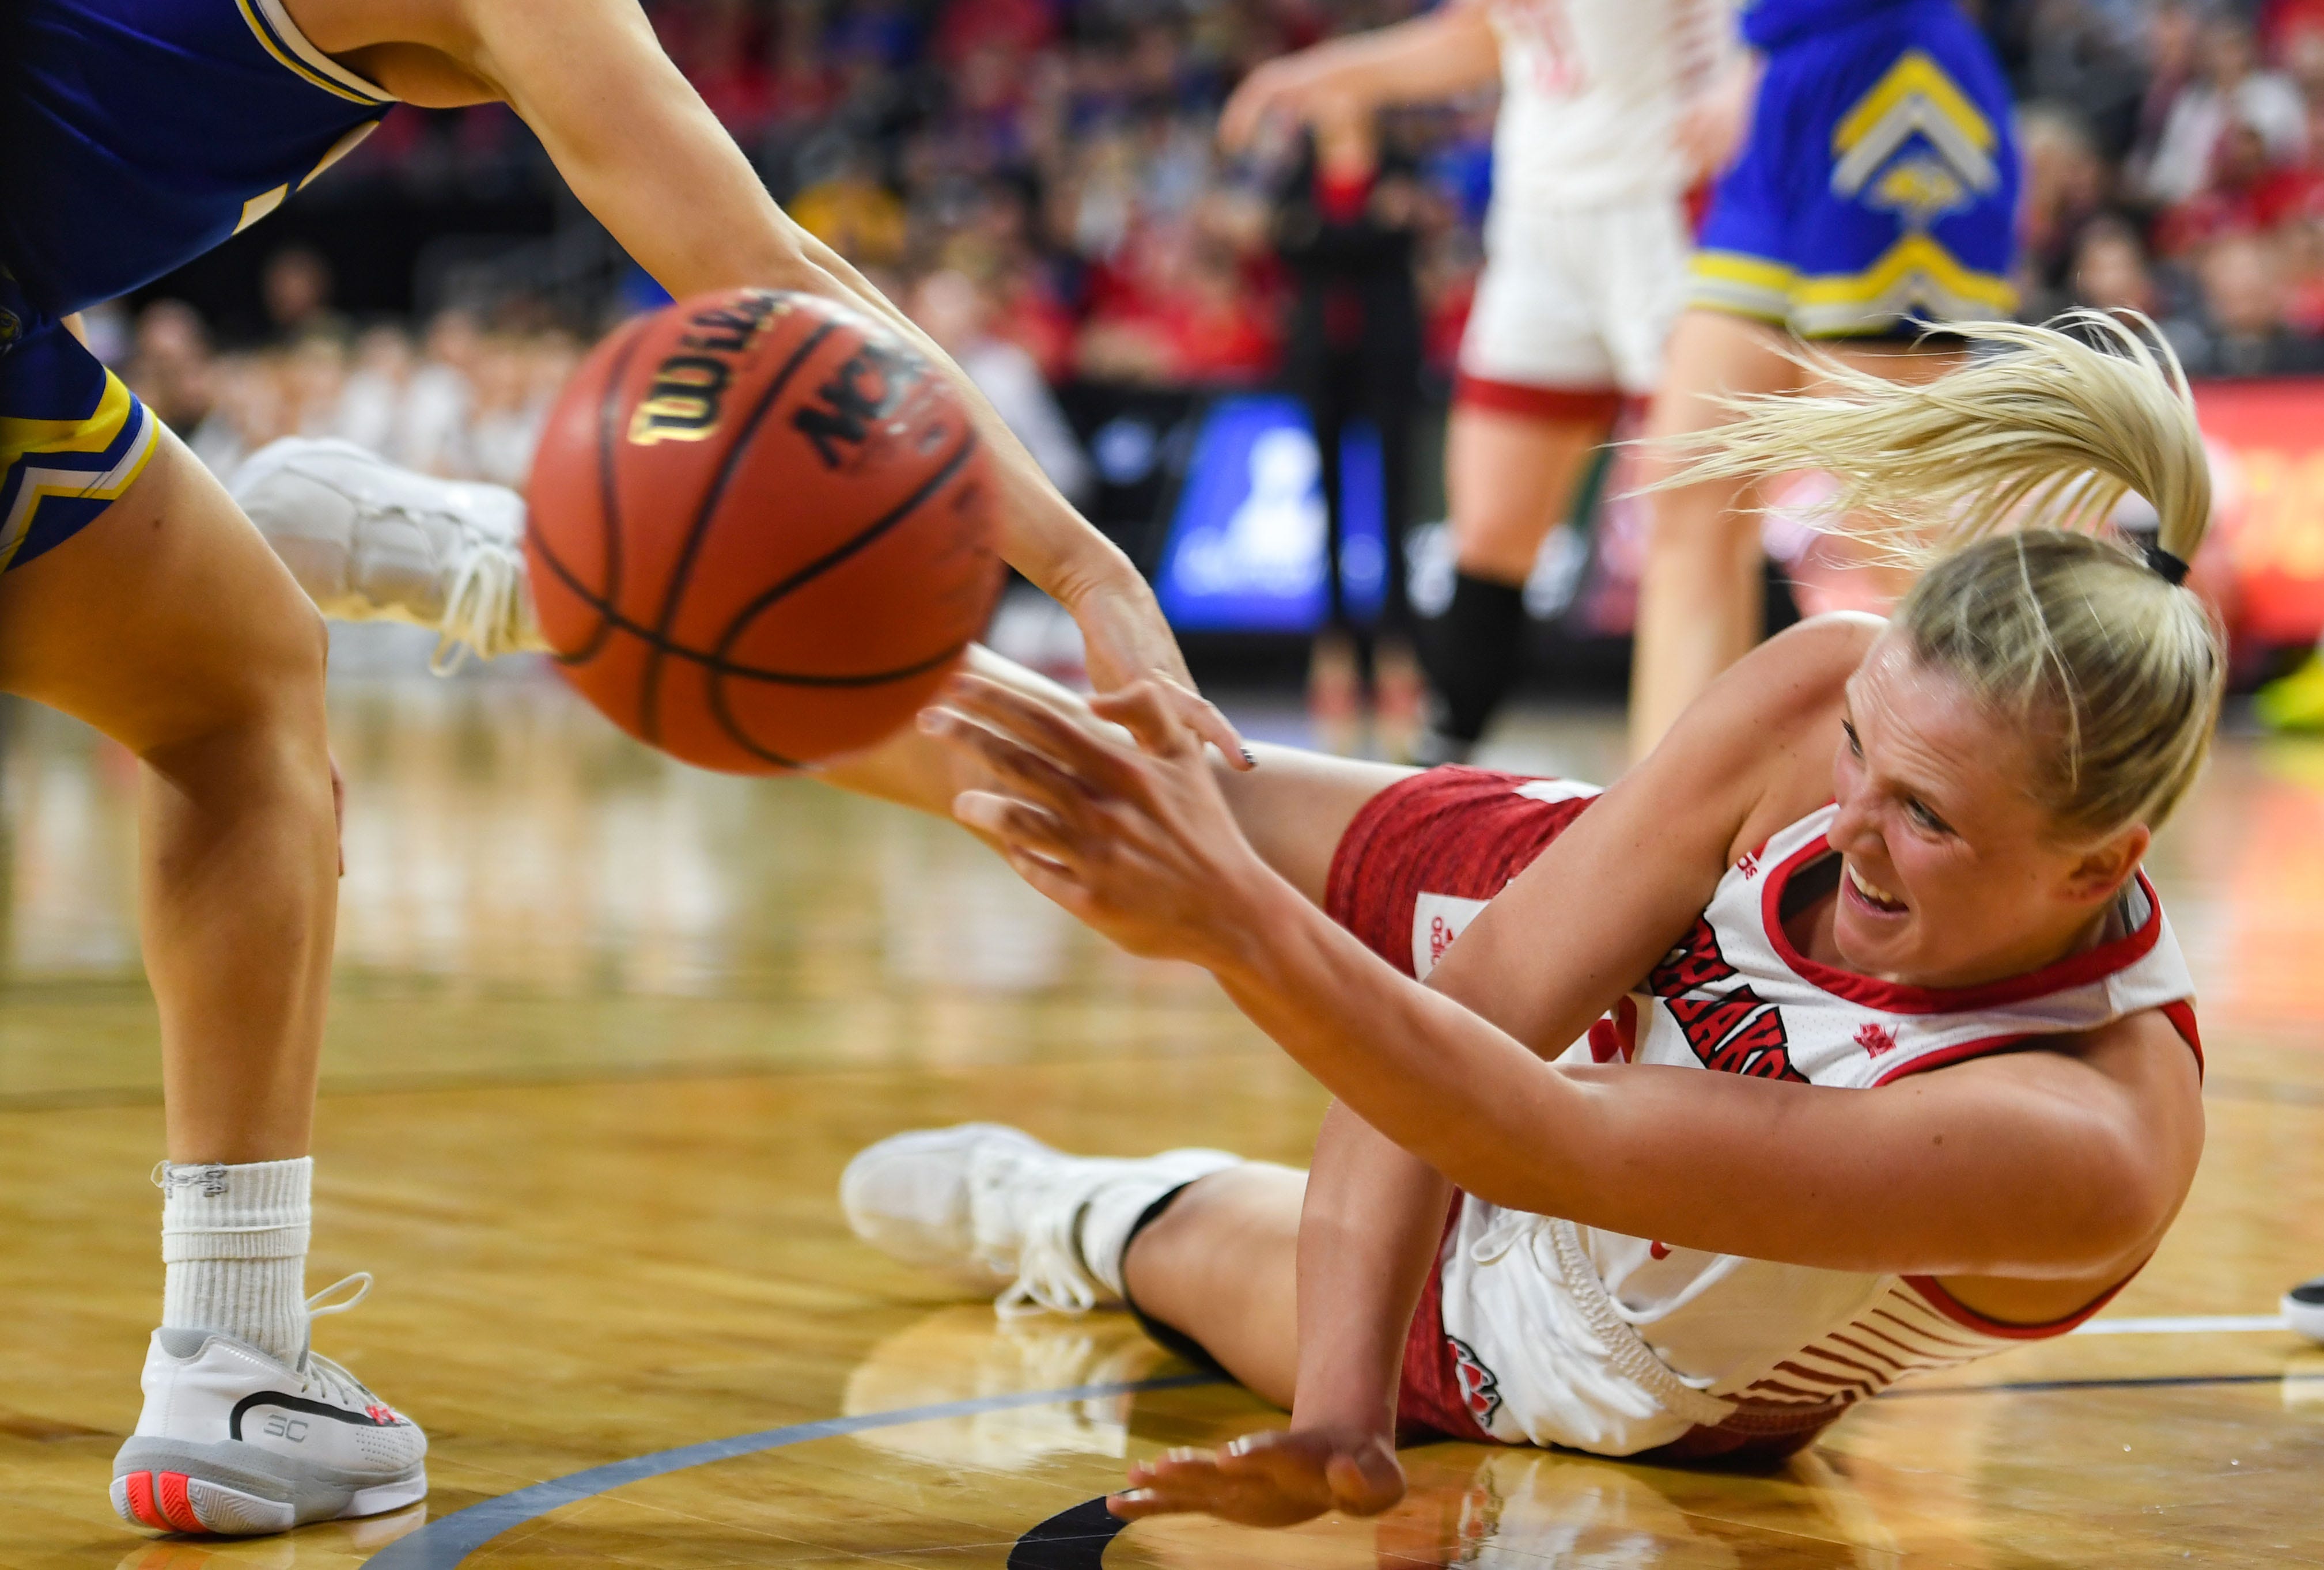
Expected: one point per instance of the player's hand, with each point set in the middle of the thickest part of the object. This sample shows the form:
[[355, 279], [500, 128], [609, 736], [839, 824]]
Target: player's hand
[[1133, 837], [1711, 127], [1296, 86], [1124, 640], [1276, 1479]]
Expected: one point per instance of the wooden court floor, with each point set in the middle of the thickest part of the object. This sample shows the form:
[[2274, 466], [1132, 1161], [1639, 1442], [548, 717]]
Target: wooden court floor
[[606, 1031]]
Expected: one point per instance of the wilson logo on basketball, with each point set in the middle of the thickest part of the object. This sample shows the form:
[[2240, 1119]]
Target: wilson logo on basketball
[[866, 389], [688, 392]]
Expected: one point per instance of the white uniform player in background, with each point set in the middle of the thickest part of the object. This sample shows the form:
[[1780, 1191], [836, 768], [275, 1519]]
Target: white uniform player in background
[[1610, 110]]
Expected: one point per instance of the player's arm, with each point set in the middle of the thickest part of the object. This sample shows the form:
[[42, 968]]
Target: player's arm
[[645, 155], [2038, 1166], [1448, 51]]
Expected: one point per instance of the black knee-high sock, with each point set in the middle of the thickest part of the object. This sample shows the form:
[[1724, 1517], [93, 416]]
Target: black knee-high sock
[[1474, 655], [1169, 1337]]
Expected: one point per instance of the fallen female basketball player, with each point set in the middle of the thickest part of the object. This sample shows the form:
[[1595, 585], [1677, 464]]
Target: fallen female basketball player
[[1882, 879]]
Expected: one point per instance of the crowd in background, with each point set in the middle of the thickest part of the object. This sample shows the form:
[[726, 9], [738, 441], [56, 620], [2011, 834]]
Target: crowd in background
[[1039, 180]]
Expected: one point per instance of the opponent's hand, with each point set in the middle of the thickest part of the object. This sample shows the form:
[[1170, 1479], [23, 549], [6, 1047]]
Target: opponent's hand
[[1125, 640], [1276, 1479], [1711, 127], [1136, 839], [1296, 86]]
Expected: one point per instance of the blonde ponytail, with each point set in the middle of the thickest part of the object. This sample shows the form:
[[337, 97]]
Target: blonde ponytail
[[2000, 478]]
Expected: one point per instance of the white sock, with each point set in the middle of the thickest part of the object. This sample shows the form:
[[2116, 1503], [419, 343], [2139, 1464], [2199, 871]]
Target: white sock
[[233, 1240], [1107, 1215]]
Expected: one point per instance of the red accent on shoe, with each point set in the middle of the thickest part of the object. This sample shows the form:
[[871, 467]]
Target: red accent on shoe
[[141, 1500], [176, 1505]]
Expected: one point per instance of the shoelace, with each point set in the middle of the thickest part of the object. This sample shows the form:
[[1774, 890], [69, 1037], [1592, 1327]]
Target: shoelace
[[1050, 1274], [485, 607], [319, 1373]]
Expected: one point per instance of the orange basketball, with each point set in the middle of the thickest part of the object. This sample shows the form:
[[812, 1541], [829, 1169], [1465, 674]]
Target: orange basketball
[[762, 530]]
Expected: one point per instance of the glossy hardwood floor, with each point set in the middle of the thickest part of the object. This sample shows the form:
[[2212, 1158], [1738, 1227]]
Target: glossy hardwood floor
[[606, 1031]]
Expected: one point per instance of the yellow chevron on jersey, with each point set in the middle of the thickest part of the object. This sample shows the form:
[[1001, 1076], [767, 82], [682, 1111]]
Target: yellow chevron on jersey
[[281, 36], [79, 465], [1914, 98], [1916, 279], [1742, 285]]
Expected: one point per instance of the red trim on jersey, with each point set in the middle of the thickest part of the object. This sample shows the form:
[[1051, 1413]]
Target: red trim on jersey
[[1961, 1314], [2181, 1015], [1533, 401], [1898, 997]]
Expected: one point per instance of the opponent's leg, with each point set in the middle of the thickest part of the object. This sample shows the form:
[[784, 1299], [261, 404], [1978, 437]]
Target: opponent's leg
[[119, 624], [1699, 595], [1510, 480]]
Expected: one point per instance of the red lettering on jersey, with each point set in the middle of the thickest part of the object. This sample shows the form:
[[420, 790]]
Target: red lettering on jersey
[[1749, 866], [1695, 963], [1707, 1020], [1876, 1039], [1440, 938], [1760, 1048]]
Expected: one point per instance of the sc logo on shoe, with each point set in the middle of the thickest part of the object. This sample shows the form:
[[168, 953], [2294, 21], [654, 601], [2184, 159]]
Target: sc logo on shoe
[[283, 1427]]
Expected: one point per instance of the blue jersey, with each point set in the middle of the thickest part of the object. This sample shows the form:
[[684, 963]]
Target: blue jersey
[[137, 134], [1878, 187], [1770, 24]]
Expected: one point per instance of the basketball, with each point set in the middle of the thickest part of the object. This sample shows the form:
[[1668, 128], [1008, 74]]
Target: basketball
[[762, 530]]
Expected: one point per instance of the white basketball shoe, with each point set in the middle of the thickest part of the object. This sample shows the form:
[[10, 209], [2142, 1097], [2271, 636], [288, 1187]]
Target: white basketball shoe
[[371, 542], [234, 1442], [999, 1211]]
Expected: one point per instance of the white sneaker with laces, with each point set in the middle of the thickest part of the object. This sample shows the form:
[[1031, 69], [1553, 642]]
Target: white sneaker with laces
[[234, 1442], [997, 1210], [371, 542]]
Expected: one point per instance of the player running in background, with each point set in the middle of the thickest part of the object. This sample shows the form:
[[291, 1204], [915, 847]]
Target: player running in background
[[1603, 126], [1871, 1050], [1875, 193], [138, 134]]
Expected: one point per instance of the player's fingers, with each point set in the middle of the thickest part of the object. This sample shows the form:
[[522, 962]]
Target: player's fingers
[[1081, 751], [1019, 825], [1011, 759], [1158, 713]]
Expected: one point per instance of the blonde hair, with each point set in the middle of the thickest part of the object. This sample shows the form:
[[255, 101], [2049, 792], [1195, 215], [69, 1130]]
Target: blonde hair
[[2000, 479]]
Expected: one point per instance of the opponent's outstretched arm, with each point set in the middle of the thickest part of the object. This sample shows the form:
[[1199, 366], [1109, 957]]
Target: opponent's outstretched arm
[[1447, 52], [646, 156]]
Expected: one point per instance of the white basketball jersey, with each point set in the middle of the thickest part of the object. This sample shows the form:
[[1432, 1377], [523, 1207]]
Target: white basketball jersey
[[1591, 91], [1778, 1347]]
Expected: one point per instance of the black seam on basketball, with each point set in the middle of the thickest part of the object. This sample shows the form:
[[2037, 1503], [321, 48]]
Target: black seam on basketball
[[650, 682], [728, 668], [715, 678], [609, 513]]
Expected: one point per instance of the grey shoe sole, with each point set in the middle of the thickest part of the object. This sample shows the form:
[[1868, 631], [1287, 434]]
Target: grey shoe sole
[[236, 1489]]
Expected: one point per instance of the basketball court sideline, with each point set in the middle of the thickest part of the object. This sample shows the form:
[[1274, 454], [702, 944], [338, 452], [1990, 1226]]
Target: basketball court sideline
[[606, 1028]]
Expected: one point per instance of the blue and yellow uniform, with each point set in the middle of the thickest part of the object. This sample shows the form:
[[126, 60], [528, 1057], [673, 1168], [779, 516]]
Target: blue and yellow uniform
[[135, 136], [1877, 184]]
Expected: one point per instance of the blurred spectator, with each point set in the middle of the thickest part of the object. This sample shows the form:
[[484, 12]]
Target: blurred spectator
[[172, 368], [372, 411], [438, 400], [2066, 185], [2110, 271], [2241, 330], [847, 208], [957, 314], [2228, 88], [295, 288]]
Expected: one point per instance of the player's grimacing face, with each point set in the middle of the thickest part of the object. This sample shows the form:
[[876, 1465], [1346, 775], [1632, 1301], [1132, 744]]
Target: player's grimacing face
[[1951, 872]]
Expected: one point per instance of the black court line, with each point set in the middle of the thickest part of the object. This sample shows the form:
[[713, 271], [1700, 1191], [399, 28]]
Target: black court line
[[443, 1543], [1073, 1539]]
